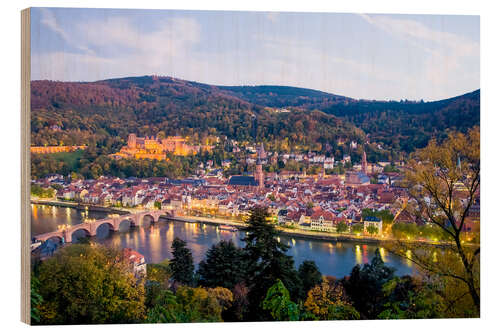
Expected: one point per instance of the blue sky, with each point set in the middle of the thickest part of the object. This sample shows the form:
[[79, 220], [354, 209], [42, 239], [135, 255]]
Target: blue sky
[[368, 56]]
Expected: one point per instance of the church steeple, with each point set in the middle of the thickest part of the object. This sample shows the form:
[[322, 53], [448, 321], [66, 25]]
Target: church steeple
[[259, 174], [364, 164]]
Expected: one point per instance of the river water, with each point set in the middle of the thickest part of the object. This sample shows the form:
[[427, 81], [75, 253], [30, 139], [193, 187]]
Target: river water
[[154, 241]]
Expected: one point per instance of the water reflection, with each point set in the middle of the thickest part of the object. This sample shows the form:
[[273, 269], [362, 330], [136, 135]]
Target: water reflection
[[154, 241]]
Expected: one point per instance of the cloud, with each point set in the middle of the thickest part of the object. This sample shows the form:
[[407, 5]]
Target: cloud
[[450, 58], [418, 33], [49, 20], [121, 48]]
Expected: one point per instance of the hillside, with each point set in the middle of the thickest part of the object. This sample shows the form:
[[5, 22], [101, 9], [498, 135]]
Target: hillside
[[74, 113], [108, 110], [401, 125]]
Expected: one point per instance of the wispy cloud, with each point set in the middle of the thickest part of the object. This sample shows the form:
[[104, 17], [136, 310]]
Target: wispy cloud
[[49, 19], [131, 50], [418, 33], [447, 53]]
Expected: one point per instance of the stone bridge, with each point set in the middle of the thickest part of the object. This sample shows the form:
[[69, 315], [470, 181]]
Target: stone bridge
[[114, 222]]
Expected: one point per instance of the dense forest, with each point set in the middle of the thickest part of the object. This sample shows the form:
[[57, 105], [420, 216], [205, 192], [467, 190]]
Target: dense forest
[[401, 125]]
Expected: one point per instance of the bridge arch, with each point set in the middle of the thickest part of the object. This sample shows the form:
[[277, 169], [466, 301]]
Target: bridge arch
[[147, 219], [110, 224], [56, 238], [71, 234], [125, 221]]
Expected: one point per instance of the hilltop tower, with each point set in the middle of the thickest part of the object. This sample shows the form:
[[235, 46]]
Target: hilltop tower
[[364, 164]]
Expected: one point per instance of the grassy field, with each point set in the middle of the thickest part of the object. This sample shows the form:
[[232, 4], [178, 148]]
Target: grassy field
[[70, 158]]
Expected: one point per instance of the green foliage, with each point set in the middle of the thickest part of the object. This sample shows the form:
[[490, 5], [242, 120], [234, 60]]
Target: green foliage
[[365, 286], [266, 262], [36, 299], [310, 276], [86, 284], [409, 298], [384, 215], [372, 230], [278, 302], [157, 204], [223, 266], [187, 305], [357, 228], [38, 191], [405, 230], [160, 273], [328, 301], [342, 227], [391, 168], [342, 312], [182, 265]]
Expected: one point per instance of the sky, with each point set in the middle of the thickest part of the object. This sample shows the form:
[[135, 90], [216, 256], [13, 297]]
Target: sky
[[369, 56]]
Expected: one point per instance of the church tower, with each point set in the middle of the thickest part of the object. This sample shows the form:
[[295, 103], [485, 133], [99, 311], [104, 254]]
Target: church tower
[[262, 153], [259, 175], [364, 164]]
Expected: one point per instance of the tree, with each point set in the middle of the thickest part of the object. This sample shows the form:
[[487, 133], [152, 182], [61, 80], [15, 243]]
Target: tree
[[187, 305], [410, 298], [364, 286], [239, 307], [309, 275], [357, 229], [182, 262], [36, 299], [199, 304], [223, 266], [160, 272], [372, 230], [278, 303], [328, 301], [341, 227], [89, 284], [223, 296], [442, 181], [266, 262]]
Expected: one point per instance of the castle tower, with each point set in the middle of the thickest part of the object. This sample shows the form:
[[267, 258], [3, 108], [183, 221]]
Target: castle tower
[[131, 141], [259, 175], [364, 164]]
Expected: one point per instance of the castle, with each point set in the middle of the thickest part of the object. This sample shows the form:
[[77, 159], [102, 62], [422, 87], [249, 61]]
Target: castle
[[154, 148]]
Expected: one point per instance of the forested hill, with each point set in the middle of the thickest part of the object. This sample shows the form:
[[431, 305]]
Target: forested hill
[[70, 112], [74, 113], [402, 125], [285, 96]]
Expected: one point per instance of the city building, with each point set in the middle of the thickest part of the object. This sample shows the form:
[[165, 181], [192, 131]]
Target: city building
[[372, 221], [136, 261]]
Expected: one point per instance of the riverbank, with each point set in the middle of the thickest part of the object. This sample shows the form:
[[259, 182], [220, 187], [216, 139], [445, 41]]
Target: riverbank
[[315, 235], [304, 234], [79, 206]]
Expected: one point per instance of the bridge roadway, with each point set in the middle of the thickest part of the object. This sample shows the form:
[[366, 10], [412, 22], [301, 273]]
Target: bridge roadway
[[90, 227]]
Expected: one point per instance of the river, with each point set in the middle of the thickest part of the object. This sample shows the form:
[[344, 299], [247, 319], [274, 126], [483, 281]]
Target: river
[[154, 241]]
